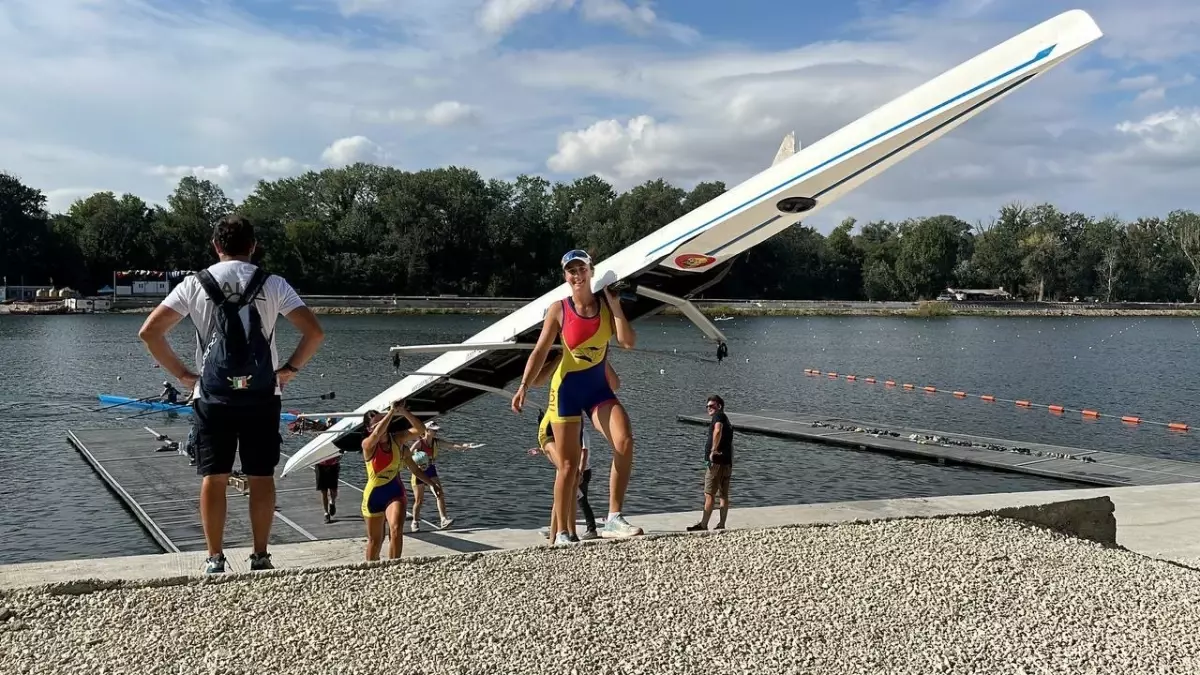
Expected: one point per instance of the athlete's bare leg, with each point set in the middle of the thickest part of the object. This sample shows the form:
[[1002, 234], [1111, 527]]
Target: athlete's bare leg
[[613, 422], [566, 435], [374, 536], [395, 519], [418, 499], [548, 450]]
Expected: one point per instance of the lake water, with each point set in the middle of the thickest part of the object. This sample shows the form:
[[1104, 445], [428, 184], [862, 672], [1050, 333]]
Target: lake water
[[52, 506]]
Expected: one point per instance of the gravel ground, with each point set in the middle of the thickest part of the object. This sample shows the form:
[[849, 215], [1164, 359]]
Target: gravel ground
[[914, 596]]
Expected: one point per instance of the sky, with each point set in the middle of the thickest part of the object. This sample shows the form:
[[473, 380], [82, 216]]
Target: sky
[[131, 95]]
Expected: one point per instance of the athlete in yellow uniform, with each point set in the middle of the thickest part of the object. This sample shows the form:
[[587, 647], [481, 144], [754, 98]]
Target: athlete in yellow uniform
[[384, 496], [546, 443], [425, 453], [585, 322]]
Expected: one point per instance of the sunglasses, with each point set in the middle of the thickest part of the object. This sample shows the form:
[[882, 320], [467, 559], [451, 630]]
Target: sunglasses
[[577, 254]]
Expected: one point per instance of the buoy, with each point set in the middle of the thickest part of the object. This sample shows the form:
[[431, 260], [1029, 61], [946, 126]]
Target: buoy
[[662, 371]]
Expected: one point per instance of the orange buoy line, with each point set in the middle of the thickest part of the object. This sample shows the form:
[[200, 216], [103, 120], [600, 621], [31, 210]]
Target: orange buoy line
[[991, 398]]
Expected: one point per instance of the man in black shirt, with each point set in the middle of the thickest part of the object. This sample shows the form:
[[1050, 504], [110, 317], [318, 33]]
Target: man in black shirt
[[718, 458]]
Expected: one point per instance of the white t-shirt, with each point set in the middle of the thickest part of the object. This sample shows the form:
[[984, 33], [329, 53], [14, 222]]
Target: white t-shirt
[[276, 298]]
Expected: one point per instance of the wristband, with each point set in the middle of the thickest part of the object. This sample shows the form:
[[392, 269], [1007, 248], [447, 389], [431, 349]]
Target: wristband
[[289, 367]]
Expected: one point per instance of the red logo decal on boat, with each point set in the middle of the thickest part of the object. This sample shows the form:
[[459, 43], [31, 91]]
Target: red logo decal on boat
[[694, 261]]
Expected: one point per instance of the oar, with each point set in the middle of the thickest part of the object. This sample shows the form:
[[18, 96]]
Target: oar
[[323, 397], [118, 405]]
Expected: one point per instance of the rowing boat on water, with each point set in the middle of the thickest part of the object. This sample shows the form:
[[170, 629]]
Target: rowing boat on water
[[163, 406]]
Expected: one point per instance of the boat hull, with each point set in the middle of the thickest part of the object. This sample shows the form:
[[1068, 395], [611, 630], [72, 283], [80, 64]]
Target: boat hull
[[690, 254]]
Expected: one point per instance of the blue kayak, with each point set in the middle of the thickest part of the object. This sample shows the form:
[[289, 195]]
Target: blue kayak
[[162, 406]]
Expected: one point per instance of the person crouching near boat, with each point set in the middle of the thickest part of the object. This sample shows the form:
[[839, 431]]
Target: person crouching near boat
[[586, 323], [384, 496]]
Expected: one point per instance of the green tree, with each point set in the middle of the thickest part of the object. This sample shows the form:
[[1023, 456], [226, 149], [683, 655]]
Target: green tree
[[880, 282], [24, 231], [928, 254]]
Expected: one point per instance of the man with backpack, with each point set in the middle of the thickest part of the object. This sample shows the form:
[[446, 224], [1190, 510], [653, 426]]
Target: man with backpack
[[236, 393]]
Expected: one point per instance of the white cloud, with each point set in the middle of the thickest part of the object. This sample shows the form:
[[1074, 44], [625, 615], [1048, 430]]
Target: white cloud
[[447, 113], [441, 114], [346, 151], [499, 16], [1166, 138], [272, 168], [637, 19], [1152, 94], [174, 173], [629, 153], [238, 98]]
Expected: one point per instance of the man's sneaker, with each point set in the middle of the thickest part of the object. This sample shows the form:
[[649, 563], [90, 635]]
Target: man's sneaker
[[332, 509], [446, 522], [328, 518], [618, 528], [698, 527], [719, 526], [261, 561], [589, 534], [215, 564], [574, 539], [563, 539]]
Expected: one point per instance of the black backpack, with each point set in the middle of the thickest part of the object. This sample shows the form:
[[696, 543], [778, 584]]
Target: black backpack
[[236, 368]]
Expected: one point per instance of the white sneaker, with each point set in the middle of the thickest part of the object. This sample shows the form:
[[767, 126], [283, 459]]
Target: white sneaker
[[415, 527], [446, 522], [619, 528], [563, 539]]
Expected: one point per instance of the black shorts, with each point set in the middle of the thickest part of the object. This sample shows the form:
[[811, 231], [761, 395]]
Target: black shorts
[[249, 431], [327, 476]]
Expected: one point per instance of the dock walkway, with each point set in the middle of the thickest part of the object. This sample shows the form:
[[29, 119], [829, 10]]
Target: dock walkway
[[1093, 467], [162, 490]]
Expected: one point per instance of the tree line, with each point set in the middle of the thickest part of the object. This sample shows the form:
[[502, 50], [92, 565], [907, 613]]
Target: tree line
[[367, 229]]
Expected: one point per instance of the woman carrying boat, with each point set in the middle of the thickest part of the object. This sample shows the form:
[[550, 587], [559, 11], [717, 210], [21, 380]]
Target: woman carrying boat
[[384, 496], [583, 476], [585, 322]]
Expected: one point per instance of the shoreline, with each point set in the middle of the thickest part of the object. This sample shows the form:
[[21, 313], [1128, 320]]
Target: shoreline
[[453, 305], [744, 312]]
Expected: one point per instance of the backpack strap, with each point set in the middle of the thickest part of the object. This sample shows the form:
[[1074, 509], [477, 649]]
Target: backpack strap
[[256, 283], [211, 287]]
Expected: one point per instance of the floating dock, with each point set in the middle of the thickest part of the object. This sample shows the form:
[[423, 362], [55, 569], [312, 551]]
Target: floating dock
[[1092, 467], [157, 483]]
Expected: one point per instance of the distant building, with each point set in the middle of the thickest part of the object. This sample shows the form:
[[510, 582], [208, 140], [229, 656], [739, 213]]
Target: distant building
[[88, 305], [145, 283], [25, 293], [19, 293]]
